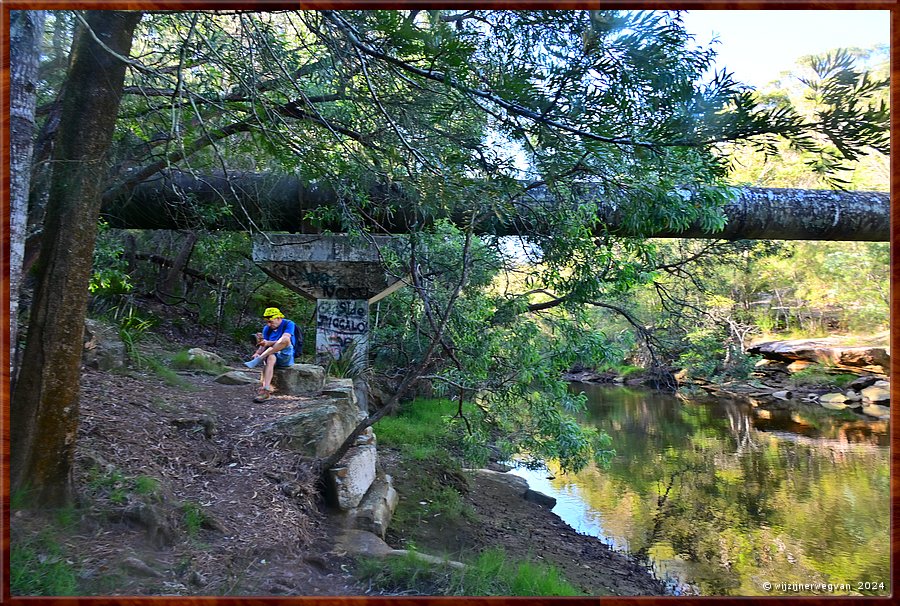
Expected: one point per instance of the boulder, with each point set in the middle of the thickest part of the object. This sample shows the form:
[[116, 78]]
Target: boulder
[[299, 379], [103, 349], [350, 480], [861, 383], [783, 394], [377, 507], [852, 396], [361, 542], [832, 398], [317, 430], [828, 352], [340, 389], [237, 377], [875, 394], [865, 357], [196, 352], [808, 350]]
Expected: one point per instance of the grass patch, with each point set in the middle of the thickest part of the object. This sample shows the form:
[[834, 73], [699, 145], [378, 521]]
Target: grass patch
[[492, 573], [40, 568], [431, 449], [820, 376], [146, 486], [115, 486], [192, 517], [185, 361], [169, 376]]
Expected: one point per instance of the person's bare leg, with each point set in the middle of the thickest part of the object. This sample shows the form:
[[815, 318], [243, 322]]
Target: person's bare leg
[[268, 372]]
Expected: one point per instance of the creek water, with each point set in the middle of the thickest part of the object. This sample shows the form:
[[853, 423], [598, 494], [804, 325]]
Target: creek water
[[721, 498]]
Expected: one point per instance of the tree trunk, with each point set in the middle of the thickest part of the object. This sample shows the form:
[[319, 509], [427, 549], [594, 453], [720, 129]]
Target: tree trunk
[[25, 31], [44, 407], [280, 203], [173, 279]]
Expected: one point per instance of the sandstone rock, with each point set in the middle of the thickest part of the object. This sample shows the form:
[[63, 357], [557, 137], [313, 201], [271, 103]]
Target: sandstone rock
[[366, 437], [299, 379], [864, 357], [140, 567], [833, 405], [782, 395], [350, 479], [882, 383], [318, 429], [236, 377], [852, 396], [196, 352], [877, 411], [159, 529], [875, 394], [377, 507], [798, 365], [832, 398], [103, 349], [341, 389], [829, 352], [808, 350], [361, 542]]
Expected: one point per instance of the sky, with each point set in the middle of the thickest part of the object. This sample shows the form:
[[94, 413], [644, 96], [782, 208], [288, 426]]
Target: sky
[[758, 45]]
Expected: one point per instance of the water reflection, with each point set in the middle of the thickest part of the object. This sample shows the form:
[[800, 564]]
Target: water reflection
[[722, 498]]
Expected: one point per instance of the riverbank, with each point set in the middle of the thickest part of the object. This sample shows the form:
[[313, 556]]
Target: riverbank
[[493, 513]]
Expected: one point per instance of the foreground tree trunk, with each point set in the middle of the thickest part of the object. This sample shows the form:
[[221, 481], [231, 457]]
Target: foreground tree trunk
[[25, 30], [44, 407]]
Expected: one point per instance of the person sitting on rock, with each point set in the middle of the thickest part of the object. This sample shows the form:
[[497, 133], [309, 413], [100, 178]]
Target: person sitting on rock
[[275, 347]]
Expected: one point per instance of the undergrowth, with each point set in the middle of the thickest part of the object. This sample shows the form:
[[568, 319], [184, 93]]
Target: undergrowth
[[185, 361], [491, 573], [432, 450]]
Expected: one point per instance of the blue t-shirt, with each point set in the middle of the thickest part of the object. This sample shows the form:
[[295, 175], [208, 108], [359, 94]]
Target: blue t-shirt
[[273, 334]]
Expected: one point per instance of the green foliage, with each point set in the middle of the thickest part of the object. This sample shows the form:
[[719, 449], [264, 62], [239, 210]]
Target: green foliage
[[815, 375], [492, 573], [132, 329], [146, 486], [41, 568], [169, 376], [111, 484], [182, 360], [193, 518], [109, 278], [351, 364]]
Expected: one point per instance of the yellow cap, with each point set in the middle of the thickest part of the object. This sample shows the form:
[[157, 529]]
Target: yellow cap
[[272, 312]]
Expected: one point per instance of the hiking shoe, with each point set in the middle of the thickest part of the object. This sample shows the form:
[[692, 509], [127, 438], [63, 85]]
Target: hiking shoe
[[262, 395], [253, 363]]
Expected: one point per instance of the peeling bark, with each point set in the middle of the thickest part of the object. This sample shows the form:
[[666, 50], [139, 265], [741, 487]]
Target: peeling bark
[[279, 202], [25, 31], [44, 406]]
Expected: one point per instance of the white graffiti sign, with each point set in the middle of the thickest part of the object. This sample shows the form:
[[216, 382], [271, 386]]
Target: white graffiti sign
[[340, 322]]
